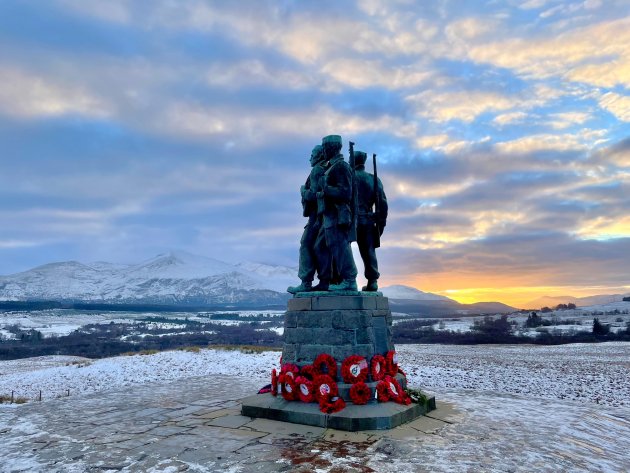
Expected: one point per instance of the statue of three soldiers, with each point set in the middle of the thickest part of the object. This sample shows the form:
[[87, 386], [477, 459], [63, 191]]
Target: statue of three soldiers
[[342, 205]]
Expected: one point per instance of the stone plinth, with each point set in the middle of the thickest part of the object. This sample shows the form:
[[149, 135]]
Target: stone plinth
[[353, 418], [339, 324], [355, 323]]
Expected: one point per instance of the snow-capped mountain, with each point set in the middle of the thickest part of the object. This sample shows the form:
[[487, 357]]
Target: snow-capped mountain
[[173, 278], [398, 291]]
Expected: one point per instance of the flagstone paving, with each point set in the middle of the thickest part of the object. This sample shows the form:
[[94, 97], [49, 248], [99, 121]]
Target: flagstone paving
[[195, 425]]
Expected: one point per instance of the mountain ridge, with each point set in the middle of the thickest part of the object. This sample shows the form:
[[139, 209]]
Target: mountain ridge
[[178, 278]]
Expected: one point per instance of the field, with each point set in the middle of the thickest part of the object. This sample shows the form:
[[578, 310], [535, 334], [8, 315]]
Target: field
[[592, 373]]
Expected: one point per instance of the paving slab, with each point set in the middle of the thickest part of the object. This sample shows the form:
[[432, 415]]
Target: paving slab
[[278, 427], [471, 431], [232, 421]]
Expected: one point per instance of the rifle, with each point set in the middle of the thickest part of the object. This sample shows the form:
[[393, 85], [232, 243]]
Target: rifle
[[354, 206], [377, 212]]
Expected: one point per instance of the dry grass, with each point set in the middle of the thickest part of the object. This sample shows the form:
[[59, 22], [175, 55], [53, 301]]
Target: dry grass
[[192, 349], [16, 400], [247, 349], [79, 363]]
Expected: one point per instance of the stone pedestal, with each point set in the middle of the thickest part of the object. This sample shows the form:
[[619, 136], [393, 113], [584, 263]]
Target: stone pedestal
[[339, 324]]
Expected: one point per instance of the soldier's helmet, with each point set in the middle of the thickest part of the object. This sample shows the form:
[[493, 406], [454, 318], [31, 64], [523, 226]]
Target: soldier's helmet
[[359, 158], [332, 143]]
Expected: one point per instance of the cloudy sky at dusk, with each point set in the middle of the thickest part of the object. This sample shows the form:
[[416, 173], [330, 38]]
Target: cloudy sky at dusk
[[129, 128]]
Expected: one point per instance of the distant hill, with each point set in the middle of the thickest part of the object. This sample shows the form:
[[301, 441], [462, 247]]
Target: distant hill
[[411, 293], [412, 301], [180, 279], [552, 301], [174, 278]]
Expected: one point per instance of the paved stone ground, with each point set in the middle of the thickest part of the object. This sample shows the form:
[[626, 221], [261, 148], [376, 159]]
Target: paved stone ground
[[195, 425]]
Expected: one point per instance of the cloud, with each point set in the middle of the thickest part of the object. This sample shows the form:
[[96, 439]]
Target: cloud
[[465, 106], [130, 128], [603, 43], [618, 105], [27, 95], [364, 74], [509, 118]]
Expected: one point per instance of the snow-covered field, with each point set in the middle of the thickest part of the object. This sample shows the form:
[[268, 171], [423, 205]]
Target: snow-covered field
[[57, 322], [576, 320], [593, 373], [54, 375]]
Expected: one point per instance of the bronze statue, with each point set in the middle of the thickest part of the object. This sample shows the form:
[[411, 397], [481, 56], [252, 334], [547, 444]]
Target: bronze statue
[[308, 264], [371, 217], [335, 214]]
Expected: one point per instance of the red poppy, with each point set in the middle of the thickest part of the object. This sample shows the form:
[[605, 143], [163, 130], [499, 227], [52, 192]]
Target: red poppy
[[394, 389], [308, 372], [360, 393], [290, 370], [354, 369], [331, 404], [325, 364], [392, 363], [324, 385], [378, 367], [382, 391], [305, 389], [289, 388]]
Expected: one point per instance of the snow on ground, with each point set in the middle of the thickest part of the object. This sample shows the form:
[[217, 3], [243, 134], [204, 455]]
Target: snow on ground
[[499, 433], [594, 373], [37, 363], [59, 322], [54, 379]]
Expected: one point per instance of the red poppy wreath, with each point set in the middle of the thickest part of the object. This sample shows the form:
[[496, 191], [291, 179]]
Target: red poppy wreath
[[308, 372], [360, 393], [305, 389], [290, 369], [392, 363], [382, 391], [354, 369], [325, 364], [324, 386], [289, 388], [331, 404], [378, 367]]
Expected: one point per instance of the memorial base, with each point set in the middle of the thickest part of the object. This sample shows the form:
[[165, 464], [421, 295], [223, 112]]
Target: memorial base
[[340, 325], [377, 416]]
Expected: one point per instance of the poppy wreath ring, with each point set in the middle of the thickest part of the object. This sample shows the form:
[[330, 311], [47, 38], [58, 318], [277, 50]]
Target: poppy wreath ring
[[394, 389], [325, 364], [305, 389], [289, 369], [324, 386], [331, 404], [354, 369], [289, 388], [378, 367], [360, 393], [392, 363]]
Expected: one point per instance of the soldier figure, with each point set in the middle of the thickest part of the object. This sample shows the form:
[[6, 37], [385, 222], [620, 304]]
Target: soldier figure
[[308, 264], [334, 200], [370, 225]]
